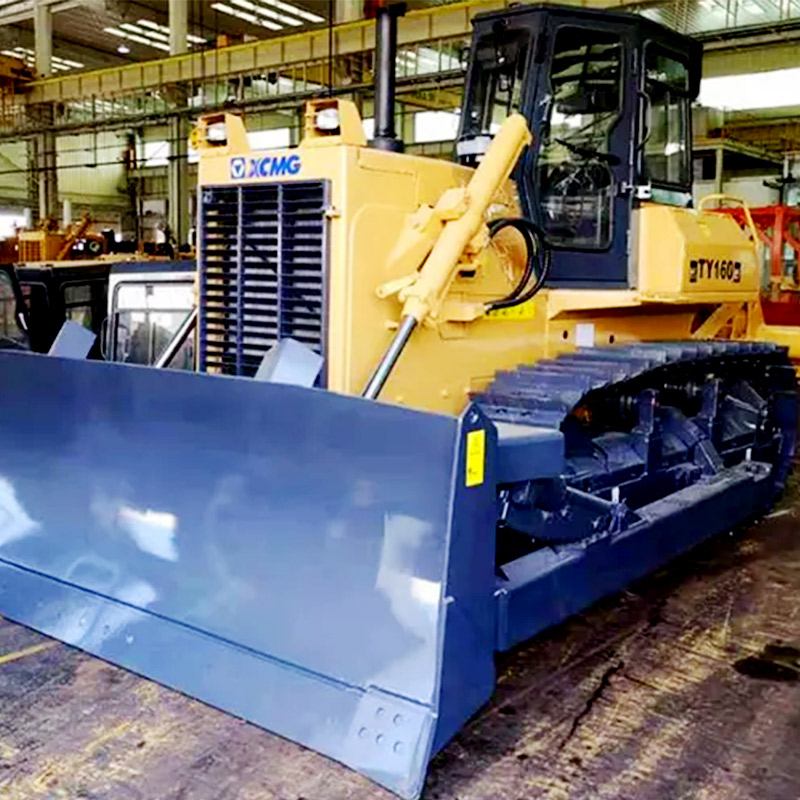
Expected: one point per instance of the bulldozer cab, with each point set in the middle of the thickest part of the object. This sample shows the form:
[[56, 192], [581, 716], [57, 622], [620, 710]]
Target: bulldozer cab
[[608, 98]]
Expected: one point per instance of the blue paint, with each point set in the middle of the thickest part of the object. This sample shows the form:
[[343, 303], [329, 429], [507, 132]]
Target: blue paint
[[193, 528], [326, 552], [265, 166]]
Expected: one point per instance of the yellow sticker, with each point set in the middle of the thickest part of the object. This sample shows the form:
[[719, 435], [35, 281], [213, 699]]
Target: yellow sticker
[[526, 310], [476, 457]]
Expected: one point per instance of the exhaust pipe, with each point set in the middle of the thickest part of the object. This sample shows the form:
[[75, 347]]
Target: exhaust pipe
[[385, 57]]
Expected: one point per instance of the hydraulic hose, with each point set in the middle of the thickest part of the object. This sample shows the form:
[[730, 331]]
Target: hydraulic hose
[[537, 250]]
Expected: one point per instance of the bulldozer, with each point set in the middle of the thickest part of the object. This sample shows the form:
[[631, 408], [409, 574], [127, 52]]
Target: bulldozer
[[439, 407]]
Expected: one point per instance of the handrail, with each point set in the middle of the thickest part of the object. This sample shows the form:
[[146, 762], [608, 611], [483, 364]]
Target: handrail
[[729, 198], [177, 341]]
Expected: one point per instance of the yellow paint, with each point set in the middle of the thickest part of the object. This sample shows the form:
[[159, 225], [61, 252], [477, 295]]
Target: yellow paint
[[372, 195], [526, 310], [423, 298], [27, 651], [683, 255], [476, 458], [388, 214], [7, 751], [351, 131], [106, 736]]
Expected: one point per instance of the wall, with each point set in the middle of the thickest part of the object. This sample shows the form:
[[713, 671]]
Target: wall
[[13, 175], [751, 189]]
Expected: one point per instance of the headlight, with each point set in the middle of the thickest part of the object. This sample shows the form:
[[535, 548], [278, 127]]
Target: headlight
[[217, 133], [327, 120]]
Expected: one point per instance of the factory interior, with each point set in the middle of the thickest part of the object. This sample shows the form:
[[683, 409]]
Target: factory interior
[[399, 399]]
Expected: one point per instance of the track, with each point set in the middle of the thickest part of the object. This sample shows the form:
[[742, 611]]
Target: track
[[642, 422]]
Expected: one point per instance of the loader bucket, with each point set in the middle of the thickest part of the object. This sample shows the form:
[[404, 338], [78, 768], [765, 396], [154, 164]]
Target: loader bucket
[[319, 565]]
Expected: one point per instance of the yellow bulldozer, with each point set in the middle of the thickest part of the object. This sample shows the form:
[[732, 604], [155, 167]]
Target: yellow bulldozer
[[438, 407]]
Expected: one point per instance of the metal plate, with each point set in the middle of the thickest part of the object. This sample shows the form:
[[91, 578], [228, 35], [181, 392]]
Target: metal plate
[[281, 553]]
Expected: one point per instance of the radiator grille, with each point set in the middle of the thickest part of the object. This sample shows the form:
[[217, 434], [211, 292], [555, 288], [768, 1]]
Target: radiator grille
[[263, 256]]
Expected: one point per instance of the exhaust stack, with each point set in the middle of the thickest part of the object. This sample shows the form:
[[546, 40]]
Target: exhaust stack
[[386, 55]]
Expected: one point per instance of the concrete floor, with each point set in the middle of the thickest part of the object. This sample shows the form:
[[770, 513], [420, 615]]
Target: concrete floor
[[638, 698]]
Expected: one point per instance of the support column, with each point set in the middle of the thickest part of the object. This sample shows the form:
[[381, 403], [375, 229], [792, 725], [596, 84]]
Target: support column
[[178, 167], [719, 174], [178, 26], [348, 11], [48, 175], [43, 37], [33, 178], [178, 180], [44, 150]]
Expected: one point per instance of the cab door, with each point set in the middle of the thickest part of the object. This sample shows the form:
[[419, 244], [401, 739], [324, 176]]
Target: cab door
[[576, 179]]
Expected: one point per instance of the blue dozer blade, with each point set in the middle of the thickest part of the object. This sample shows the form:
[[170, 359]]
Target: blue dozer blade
[[313, 563], [319, 565]]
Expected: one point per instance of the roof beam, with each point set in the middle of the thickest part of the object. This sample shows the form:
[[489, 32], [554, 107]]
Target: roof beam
[[275, 53], [19, 10]]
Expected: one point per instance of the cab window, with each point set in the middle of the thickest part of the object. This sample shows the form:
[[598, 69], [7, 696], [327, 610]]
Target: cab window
[[85, 303], [501, 60], [667, 156], [146, 316], [574, 167], [11, 334]]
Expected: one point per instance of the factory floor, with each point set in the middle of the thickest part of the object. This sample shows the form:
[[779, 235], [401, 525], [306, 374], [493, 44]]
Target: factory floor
[[660, 693]]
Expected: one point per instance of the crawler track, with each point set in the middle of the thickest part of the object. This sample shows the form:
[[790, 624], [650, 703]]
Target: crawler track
[[644, 421]]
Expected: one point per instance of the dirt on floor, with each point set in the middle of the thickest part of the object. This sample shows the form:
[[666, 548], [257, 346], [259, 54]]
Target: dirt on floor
[[685, 686]]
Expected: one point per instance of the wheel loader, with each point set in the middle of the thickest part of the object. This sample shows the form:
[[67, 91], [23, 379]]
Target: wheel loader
[[439, 406]]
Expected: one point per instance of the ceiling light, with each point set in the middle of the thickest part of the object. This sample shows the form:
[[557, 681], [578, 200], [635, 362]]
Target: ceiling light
[[134, 38], [266, 12], [234, 12], [298, 12], [162, 31], [148, 34], [146, 23], [28, 56], [123, 48]]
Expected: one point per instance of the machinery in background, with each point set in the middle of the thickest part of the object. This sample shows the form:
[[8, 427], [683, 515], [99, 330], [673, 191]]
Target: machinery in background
[[343, 571], [777, 229], [14, 74], [133, 307], [49, 243], [56, 292], [148, 303]]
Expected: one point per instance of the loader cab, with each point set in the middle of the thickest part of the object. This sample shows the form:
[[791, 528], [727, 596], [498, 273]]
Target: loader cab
[[147, 304], [608, 99], [58, 291]]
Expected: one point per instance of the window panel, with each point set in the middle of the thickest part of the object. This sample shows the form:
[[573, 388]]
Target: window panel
[[574, 165], [667, 155]]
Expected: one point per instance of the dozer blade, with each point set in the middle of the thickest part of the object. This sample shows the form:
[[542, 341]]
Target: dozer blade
[[317, 564]]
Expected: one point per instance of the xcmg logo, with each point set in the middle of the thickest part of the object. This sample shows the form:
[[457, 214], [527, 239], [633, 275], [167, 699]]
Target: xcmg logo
[[264, 167]]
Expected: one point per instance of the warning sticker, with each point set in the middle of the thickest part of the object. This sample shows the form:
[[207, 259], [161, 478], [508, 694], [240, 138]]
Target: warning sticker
[[526, 310], [476, 457]]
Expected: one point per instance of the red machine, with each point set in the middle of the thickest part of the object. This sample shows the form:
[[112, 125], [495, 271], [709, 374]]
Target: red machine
[[778, 229]]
